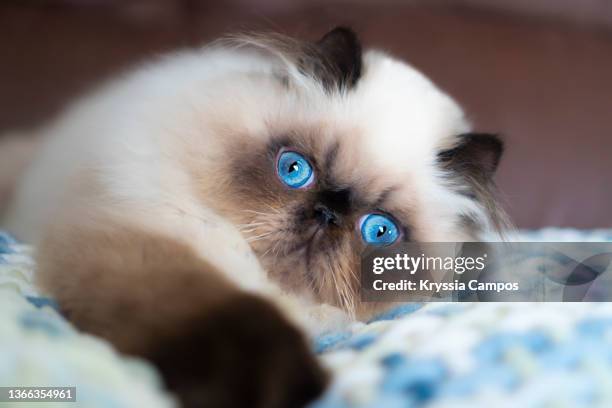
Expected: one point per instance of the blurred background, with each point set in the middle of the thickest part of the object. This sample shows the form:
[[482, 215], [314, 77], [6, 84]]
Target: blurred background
[[538, 72]]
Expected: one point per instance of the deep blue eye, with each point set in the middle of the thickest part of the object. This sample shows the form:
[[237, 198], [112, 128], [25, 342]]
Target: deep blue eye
[[294, 170], [378, 229]]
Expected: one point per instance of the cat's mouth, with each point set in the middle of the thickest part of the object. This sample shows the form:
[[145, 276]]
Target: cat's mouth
[[302, 246]]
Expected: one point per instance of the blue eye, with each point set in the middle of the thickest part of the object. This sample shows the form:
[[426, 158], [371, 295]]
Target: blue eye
[[378, 229], [294, 170]]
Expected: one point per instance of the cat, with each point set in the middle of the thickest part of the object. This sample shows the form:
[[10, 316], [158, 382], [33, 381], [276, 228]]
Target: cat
[[207, 210]]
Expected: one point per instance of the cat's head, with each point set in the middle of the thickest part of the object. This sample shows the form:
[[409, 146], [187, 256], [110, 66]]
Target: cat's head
[[327, 149]]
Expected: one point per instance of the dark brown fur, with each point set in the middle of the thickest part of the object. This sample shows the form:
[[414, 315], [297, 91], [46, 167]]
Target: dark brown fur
[[240, 354], [473, 162], [335, 60]]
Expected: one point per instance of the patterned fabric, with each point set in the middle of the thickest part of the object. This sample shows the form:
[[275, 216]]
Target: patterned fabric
[[415, 355], [477, 354]]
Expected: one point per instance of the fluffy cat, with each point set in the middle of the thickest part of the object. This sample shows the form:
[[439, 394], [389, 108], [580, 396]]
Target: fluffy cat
[[206, 210]]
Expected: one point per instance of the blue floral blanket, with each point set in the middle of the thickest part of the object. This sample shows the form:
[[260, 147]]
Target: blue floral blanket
[[416, 355]]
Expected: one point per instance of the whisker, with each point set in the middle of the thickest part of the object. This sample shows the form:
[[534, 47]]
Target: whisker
[[276, 210], [271, 249], [253, 225], [258, 213], [248, 230], [258, 237]]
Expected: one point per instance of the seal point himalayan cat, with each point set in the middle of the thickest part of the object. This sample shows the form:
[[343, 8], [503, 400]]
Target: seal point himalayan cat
[[207, 211]]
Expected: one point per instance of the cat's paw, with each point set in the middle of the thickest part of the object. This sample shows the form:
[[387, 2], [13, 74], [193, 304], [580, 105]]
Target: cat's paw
[[241, 354]]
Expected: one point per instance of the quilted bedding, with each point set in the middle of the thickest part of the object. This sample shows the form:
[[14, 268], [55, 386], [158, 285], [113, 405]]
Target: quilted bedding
[[433, 355]]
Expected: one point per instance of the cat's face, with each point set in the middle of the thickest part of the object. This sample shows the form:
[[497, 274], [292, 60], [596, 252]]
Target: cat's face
[[367, 153]]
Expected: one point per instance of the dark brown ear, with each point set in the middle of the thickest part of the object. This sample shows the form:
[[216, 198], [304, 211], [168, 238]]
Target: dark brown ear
[[340, 51], [477, 155]]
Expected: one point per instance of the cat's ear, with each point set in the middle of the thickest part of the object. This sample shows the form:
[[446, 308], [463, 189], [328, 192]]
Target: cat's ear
[[476, 156], [340, 54], [335, 61]]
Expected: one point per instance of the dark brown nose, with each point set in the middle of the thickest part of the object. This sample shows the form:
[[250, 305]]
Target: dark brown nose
[[324, 215], [337, 200]]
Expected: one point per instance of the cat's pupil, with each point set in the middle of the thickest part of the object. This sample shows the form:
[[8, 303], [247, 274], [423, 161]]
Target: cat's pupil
[[295, 166], [381, 231]]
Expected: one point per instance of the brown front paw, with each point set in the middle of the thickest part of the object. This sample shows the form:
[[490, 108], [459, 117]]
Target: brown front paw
[[242, 353]]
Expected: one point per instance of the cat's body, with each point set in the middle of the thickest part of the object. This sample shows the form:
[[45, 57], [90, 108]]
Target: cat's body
[[162, 224]]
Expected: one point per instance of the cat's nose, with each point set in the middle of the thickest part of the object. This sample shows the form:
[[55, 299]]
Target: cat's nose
[[324, 215], [337, 200]]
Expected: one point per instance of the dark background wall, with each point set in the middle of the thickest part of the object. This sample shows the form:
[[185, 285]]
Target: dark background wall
[[537, 72]]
